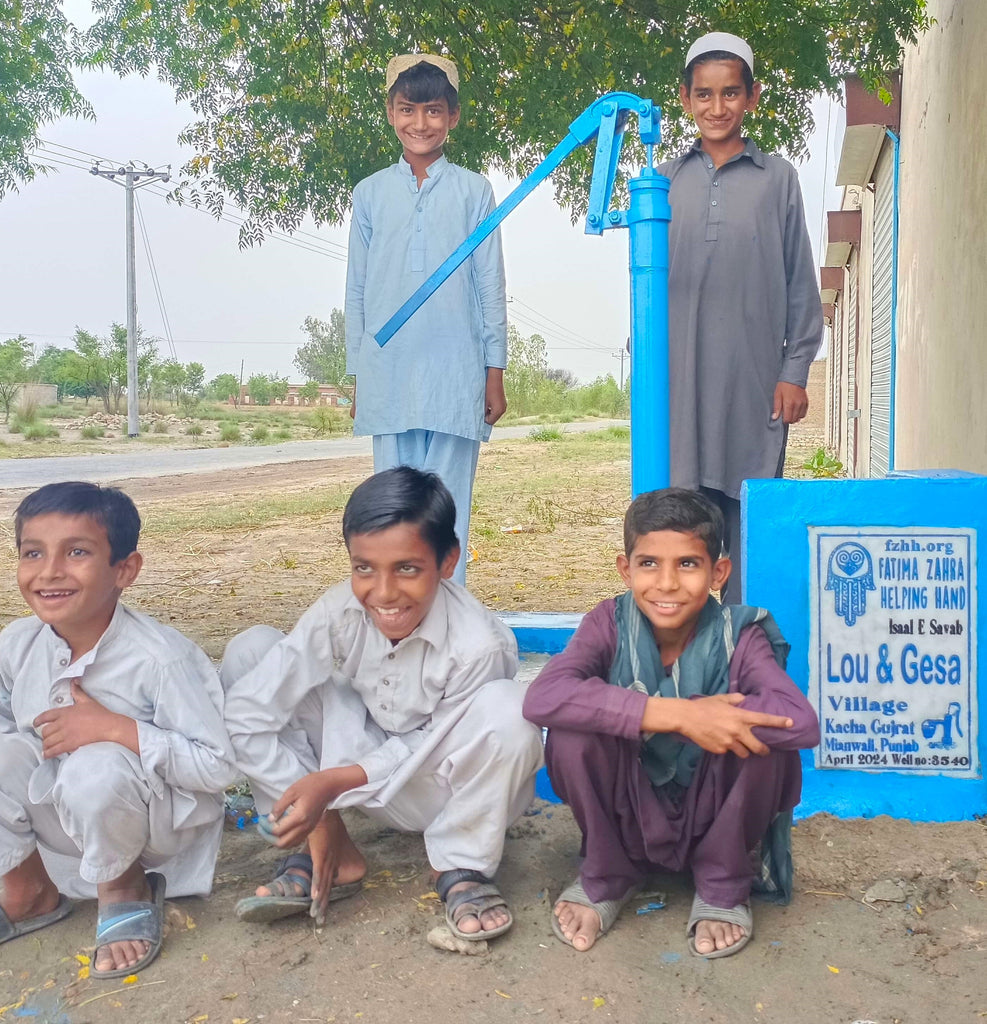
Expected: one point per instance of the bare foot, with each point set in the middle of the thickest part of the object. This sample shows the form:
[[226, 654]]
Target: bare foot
[[130, 886], [713, 935], [27, 890], [580, 924]]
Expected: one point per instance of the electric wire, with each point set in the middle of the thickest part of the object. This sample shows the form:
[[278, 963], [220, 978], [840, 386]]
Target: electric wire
[[319, 245], [567, 330], [155, 281]]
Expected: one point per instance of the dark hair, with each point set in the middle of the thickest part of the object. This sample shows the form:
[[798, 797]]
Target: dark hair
[[678, 509], [424, 83], [404, 495], [108, 506], [706, 58]]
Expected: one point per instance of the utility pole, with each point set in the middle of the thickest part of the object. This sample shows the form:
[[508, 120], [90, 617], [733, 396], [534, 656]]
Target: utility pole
[[621, 355], [133, 178]]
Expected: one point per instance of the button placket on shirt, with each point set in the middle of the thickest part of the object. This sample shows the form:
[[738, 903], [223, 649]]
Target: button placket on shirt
[[713, 214], [60, 691]]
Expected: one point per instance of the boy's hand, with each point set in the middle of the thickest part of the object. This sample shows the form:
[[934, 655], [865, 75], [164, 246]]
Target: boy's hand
[[324, 846], [496, 400], [308, 799], [86, 721], [717, 723], [791, 402], [353, 404]]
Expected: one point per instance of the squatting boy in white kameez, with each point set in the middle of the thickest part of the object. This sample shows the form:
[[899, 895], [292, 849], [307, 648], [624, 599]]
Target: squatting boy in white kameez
[[113, 753], [395, 693]]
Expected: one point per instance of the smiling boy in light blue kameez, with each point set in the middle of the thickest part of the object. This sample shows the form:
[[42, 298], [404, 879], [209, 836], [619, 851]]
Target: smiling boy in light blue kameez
[[432, 393]]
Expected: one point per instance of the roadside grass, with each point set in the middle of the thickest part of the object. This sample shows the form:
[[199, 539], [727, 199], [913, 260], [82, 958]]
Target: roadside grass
[[210, 424], [217, 512]]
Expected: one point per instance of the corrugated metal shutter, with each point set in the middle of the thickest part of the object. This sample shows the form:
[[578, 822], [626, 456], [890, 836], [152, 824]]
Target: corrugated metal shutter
[[880, 330], [837, 339], [852, 406]]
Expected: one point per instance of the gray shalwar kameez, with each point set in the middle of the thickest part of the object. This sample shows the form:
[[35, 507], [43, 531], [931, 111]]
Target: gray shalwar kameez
[[744, 314]]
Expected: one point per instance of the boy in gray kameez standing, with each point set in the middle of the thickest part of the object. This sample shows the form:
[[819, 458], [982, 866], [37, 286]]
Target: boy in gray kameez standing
[[745, 319]]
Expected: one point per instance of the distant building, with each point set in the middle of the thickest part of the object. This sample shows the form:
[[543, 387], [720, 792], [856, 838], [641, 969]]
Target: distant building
[[36, 394], [328, 395]]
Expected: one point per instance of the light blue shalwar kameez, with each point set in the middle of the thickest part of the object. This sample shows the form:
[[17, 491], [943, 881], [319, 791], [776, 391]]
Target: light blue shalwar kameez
[[423, 395]]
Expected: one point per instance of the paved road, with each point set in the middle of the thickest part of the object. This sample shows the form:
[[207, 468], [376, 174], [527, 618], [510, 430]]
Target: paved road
[[19, 473]]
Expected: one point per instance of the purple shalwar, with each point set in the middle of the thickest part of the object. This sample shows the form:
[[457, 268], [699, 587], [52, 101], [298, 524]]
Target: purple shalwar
[[630, 829]]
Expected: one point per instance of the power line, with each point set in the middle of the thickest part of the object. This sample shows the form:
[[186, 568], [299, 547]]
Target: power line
[[566, 342], [567, 330], [71, 149], [155, 281], [276, 235], [51, 160], [320, 246]]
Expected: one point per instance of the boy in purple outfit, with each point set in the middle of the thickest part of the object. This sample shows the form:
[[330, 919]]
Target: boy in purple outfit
[[654, 710]]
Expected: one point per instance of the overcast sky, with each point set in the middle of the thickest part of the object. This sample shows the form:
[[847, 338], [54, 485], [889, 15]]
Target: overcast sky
[[63, 243]]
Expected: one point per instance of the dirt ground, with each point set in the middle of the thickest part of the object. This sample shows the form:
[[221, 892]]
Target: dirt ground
[[226, 550]]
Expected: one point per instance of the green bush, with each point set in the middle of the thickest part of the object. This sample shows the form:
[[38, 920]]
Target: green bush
[[15, 426], [229, 432], [322, 420], [27, 413], [546, 434], [194, 430], [259, 433], [38, 431], [282, 433], [160, 427], [91, 431]]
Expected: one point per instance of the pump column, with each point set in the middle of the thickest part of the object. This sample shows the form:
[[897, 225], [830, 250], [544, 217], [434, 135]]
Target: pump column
[[647, 220]]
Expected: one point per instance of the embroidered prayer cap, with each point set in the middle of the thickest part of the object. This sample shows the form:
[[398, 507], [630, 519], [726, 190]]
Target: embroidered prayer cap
[[403, 61], [721, 41]]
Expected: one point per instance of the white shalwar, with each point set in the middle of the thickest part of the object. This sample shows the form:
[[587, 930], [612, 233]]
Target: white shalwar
[[94, 812], [434, 720]]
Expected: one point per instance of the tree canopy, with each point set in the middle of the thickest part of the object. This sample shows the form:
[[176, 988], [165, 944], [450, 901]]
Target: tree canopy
[[37, 53], [290, 100], [323, 357], [15, 358]]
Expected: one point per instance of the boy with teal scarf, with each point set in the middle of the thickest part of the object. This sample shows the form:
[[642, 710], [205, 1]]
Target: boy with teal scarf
[[654, 710]]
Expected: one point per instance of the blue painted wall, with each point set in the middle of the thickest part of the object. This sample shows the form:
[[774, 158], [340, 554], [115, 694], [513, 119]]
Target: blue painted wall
[[776, 516]]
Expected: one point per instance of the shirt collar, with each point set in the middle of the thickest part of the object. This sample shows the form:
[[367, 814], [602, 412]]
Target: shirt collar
[[433, 629], [750, 150], [116, 624], [434, 170]]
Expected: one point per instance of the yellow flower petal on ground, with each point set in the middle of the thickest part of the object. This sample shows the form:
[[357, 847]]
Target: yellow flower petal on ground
[[83, 959], [835, 970], [131, 979]]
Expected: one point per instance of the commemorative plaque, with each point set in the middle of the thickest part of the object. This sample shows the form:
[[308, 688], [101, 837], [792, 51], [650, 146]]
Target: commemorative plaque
[[893, 674]]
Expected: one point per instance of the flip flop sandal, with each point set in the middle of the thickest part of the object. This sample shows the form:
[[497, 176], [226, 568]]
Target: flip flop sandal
[[609, 910], [133, 921], [15, 929], [739, 915], [484, 895], [289, 871]]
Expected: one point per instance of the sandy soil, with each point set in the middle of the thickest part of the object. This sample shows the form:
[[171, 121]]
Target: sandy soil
[[831, 957]]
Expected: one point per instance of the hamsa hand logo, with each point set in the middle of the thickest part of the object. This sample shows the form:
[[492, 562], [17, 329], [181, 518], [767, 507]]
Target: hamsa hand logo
[[850, 576]]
